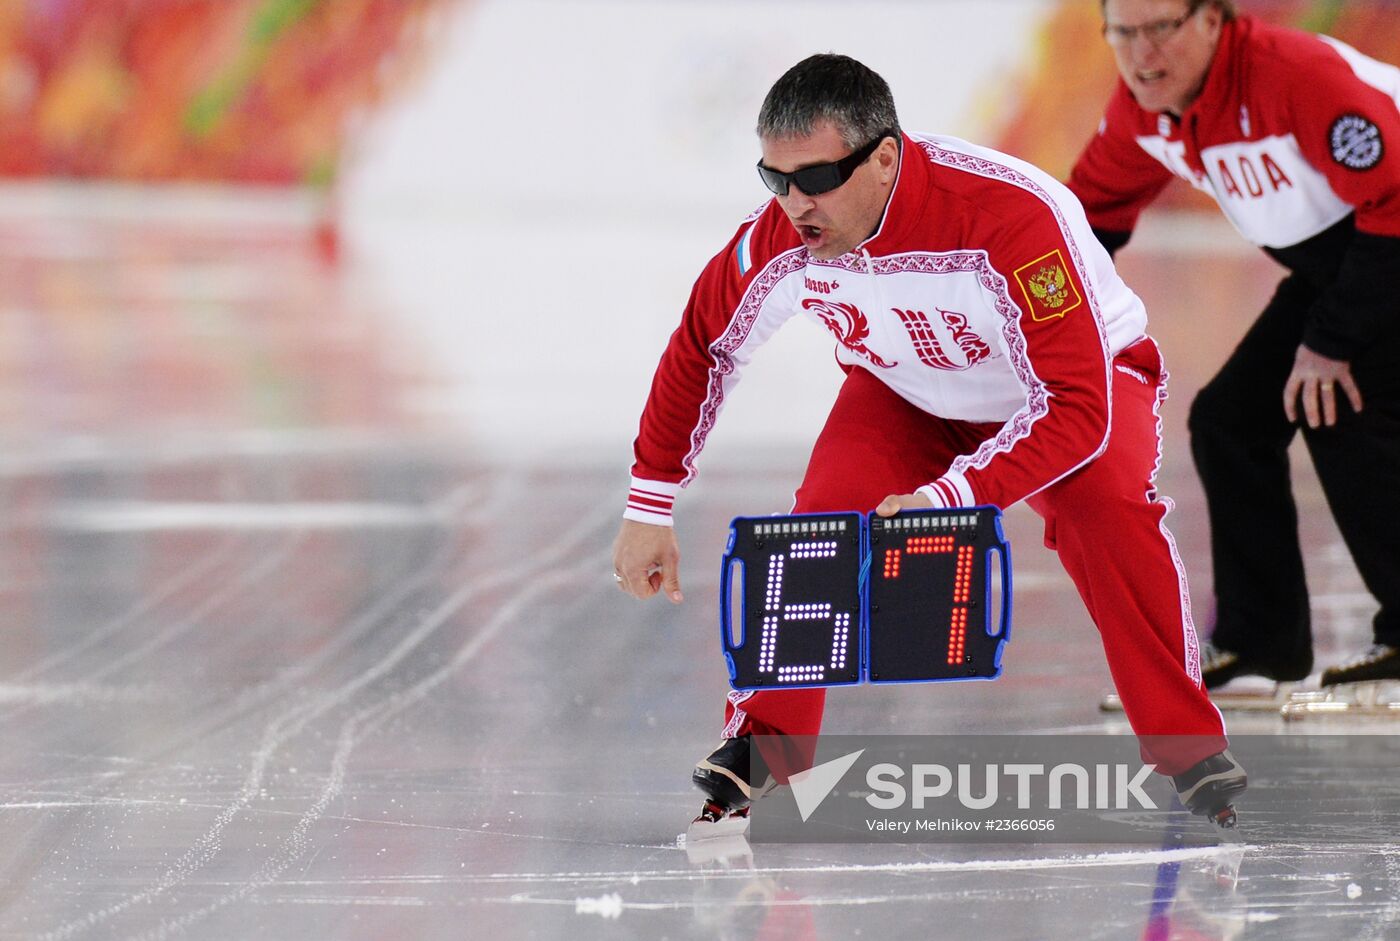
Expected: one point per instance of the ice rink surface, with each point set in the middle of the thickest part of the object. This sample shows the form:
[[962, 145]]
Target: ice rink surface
[[309, 630], [291, 653]]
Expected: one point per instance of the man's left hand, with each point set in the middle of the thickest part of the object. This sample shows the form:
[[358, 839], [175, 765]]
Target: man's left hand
[[903, 501], [1315, 378]]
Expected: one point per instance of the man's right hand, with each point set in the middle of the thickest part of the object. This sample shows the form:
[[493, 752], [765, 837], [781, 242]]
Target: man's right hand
[[1314, 380], [647, 559]]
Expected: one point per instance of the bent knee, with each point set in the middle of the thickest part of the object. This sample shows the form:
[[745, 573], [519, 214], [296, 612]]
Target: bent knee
[[1215, 411], [1097, 490]]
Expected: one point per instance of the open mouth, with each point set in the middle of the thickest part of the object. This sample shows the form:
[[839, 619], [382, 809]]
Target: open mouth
[[1149, 76], [811, 234]]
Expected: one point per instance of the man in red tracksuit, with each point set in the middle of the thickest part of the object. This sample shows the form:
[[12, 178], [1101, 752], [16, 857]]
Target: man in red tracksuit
[[993, 355], [1293, 135]]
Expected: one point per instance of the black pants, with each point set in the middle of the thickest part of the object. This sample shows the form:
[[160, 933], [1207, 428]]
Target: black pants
[[1240, 438]]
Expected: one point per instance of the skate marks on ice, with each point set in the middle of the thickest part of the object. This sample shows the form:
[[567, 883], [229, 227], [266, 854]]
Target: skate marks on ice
[[237, 563], [185, 577], [1219, 855], [1224, 892], [237, 578], [549, 571]]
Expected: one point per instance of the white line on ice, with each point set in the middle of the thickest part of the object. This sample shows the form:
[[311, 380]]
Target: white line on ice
[[613, 905], [1089, 861], [135, 516], [78, 694], [385, 902]]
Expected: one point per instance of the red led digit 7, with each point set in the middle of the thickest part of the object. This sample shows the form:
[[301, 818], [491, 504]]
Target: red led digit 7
[[962, 584]]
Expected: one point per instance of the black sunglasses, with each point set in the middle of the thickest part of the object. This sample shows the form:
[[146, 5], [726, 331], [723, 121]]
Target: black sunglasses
[[824, 177]]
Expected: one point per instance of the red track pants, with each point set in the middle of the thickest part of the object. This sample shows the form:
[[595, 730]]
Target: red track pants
[[1105, 522]]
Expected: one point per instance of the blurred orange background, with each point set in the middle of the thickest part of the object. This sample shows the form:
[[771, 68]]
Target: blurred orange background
[[251, 91]]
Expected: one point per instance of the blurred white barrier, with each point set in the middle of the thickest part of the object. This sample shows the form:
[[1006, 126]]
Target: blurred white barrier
[[543, 201]]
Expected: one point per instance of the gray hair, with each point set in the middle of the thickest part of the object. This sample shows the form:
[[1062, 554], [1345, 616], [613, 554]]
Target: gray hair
[[829, 87], [1226, 7]]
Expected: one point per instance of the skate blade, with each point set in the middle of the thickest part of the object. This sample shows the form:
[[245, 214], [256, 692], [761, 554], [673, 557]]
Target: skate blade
[[701, 829], [1272, 700], [1227, 824], [1374, 699], [727, 851]]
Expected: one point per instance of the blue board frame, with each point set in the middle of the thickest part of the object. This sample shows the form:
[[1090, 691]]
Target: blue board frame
[[849, 578]]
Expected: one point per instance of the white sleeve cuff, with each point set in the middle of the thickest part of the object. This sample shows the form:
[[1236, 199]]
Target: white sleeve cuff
[[950, 490], [650, 501], [935, 495]]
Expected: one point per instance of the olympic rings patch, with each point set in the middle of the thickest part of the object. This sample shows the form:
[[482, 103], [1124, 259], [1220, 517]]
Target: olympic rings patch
[[1356, 142]]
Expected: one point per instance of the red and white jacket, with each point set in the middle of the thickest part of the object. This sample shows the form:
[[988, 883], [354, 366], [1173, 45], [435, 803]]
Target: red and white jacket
[[1292, 135], [983, 297]]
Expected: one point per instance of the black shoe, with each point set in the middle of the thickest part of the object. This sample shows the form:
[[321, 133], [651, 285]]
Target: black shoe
[[1380, 662], [734, 775], [1210, 786], [1219, 666]]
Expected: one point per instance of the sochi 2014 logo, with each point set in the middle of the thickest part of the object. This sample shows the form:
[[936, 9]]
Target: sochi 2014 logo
[[849, 326], [1356, 142]]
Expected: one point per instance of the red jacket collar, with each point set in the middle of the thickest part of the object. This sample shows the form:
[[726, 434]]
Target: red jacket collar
[[1222, 78], [903, 211]]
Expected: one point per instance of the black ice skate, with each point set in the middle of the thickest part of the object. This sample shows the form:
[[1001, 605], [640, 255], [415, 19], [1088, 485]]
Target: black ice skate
[[732, 777], [1220, 666], [1380, 662], [1209, 788], [1260, 688]]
